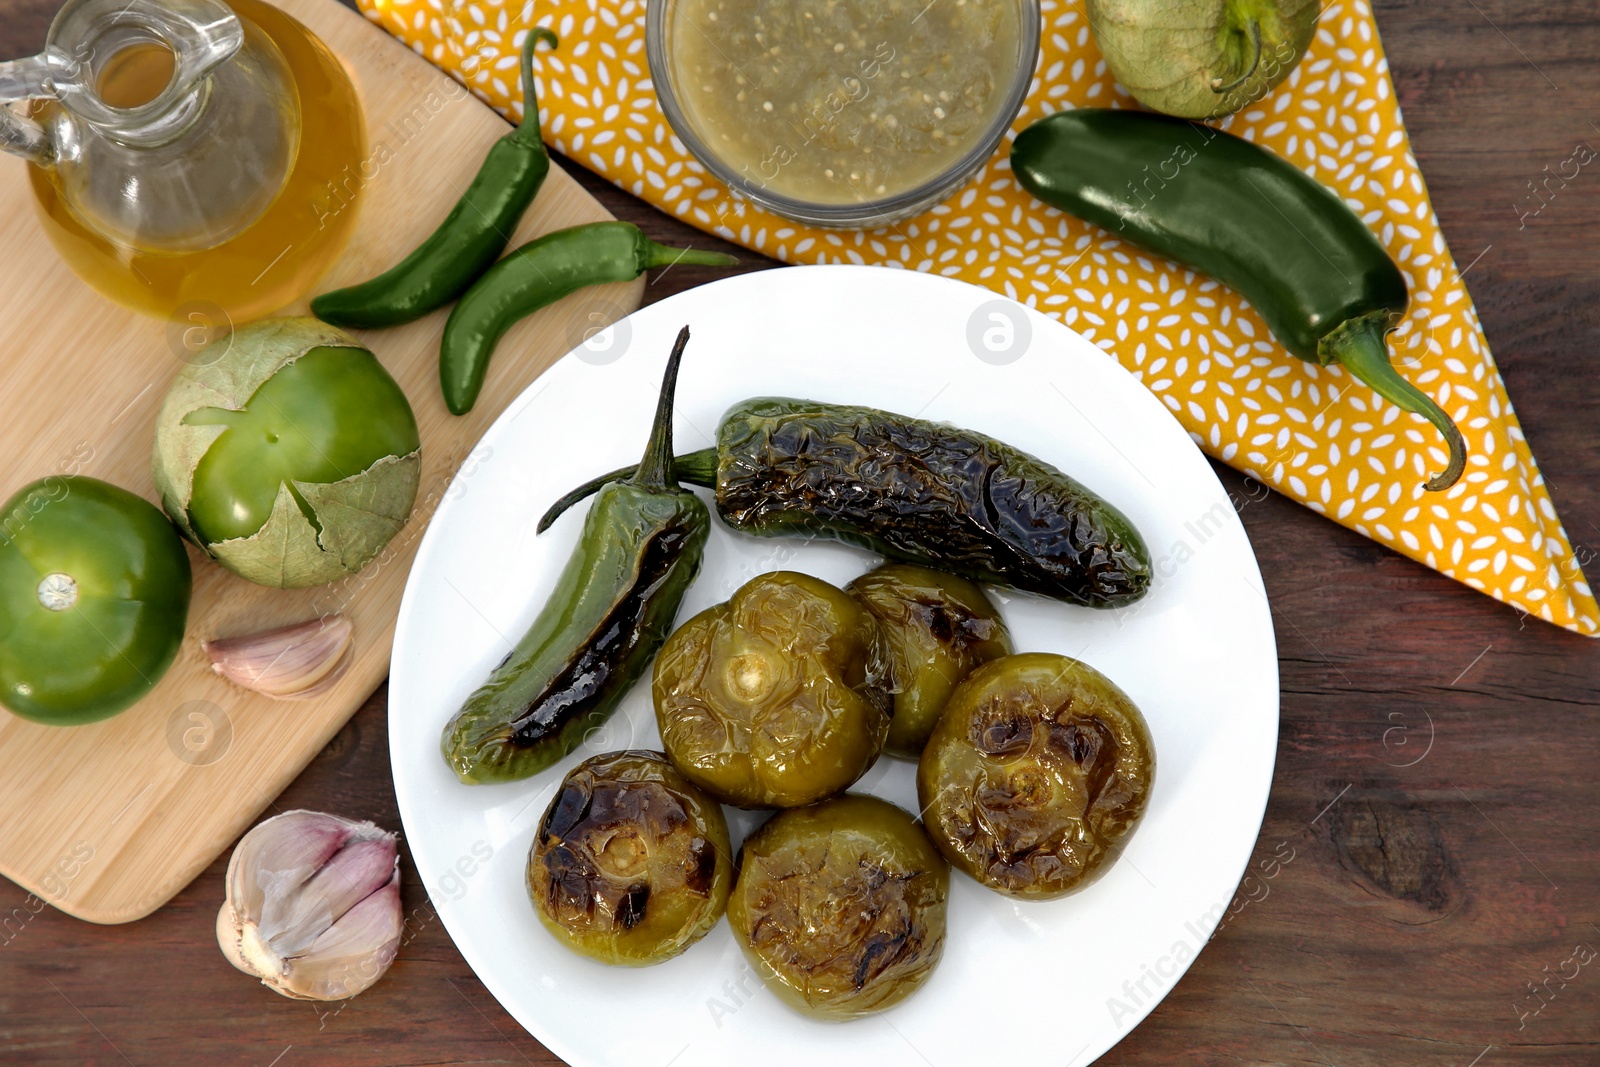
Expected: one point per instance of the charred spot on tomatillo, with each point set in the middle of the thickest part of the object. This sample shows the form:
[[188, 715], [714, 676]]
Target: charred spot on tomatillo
[[939, 627], [840, 906], [1039, 769], [776, 698], [631, 864]]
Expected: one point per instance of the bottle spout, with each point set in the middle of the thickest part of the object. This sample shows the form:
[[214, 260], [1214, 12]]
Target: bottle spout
[[23, 137], [91, 40], [23, 79]]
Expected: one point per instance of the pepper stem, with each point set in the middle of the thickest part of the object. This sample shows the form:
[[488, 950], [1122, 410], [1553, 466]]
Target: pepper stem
[[528, 131], [657, 255], [1359, 347], [655, 469], [1219, 86], [696, 468]]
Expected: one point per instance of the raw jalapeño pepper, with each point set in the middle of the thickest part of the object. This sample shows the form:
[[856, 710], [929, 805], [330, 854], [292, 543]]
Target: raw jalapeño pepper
[[612, 608], [1251, 220], [538, 274], [470, 238]]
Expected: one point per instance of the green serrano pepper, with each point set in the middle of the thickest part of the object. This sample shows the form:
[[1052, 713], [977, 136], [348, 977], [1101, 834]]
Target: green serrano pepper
[[538, 274], [1247, 218], [611, 610], [470, 238], [916, 491]]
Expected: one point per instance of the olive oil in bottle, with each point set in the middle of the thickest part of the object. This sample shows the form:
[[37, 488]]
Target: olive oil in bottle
[[242, 208]]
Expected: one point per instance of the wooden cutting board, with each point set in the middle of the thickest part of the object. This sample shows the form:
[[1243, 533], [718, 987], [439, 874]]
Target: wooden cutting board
[[108, 821]]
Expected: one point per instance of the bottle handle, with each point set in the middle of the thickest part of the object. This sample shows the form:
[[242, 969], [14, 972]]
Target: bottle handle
[[23, 79]]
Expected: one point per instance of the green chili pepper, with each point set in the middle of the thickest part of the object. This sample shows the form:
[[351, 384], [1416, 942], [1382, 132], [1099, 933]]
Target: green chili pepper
[[538, 274], [470, 238], [1249, 219], [611, 610], [915, 491]]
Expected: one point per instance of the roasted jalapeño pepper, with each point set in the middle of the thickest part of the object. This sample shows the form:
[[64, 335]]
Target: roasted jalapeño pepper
[[469, 239], [1247, 218], [612, 608], [915, 491]]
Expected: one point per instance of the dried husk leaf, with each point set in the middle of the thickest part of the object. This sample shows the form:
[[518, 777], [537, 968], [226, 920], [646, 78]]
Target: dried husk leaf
[[1170, 53], [359, 515], [363, 512]]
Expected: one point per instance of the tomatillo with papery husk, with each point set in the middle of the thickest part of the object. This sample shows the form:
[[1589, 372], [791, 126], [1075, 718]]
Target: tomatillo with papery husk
[[287, 453], [94, 594], [1199, 59]]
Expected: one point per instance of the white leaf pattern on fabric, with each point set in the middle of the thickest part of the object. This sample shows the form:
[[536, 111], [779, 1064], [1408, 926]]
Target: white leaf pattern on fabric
[[1349, 454]]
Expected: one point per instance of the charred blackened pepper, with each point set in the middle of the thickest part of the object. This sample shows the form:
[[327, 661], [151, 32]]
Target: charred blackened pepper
[[915, 491], [612, 608]]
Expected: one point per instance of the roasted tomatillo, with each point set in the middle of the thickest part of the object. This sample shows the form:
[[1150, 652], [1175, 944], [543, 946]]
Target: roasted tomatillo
[[1038, 770], [840, 907], [939, 627], [631, 864], [94, 593], [776, 698]]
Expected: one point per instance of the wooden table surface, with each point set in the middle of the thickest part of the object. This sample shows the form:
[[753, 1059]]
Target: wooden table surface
[[1433, 836]]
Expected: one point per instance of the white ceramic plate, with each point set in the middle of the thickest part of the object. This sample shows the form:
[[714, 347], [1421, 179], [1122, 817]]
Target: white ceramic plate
[[1196, 654]]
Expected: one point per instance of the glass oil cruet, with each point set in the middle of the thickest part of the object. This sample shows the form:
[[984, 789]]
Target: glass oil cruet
[[189, 158]]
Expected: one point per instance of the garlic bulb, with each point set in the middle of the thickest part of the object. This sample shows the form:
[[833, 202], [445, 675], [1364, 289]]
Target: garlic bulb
[[313, 905], [289, 663]]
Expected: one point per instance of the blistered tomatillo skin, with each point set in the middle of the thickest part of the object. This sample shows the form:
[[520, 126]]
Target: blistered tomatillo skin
[[1036, 772], [776, 698], [631, 864], [938, 628], [840, 906]]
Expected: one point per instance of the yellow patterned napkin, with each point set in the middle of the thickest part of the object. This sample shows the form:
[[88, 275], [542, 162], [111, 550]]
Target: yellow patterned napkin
[[1314, 434]]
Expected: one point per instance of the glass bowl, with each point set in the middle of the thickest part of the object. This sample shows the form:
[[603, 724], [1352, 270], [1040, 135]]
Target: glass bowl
[[880, 211]]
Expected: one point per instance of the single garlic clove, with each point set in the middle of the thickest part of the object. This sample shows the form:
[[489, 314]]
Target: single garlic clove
[[356, 872], [285, 850], [313, 905], [289, 663], [342, 962]]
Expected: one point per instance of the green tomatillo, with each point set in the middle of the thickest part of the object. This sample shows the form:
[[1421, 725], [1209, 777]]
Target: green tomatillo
[[94, 594], [287, 453], [1199, 59]]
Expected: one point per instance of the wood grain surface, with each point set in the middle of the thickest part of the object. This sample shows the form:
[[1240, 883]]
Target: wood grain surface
[[135, 806], [1430, 859]]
